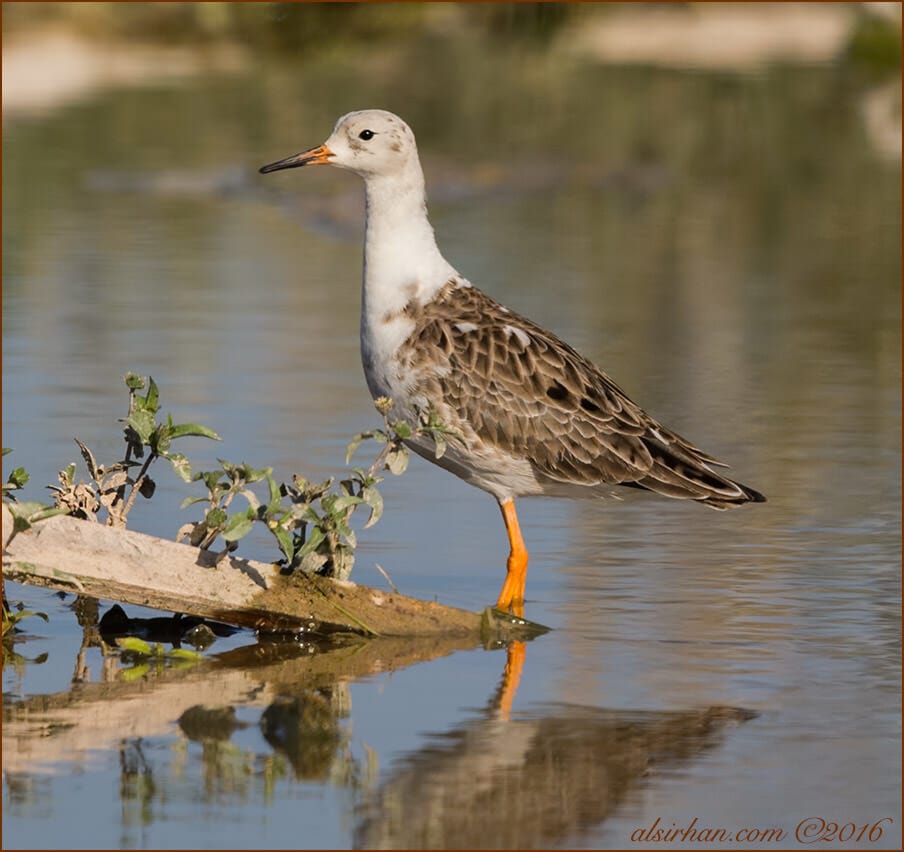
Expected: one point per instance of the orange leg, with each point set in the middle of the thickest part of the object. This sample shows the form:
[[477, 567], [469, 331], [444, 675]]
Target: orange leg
[[511, 598], [511, 677]]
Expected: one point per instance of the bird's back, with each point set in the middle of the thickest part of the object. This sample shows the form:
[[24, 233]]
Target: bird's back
[[520, 397]]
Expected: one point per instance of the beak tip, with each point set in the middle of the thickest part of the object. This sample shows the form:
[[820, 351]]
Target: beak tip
[[315, 157]]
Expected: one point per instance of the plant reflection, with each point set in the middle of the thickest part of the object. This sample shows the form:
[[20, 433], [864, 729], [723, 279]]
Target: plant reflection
[[501, 779], [305, 729]]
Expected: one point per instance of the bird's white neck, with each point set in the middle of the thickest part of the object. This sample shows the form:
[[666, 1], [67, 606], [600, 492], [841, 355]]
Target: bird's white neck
[[401, 258], [403, 268]]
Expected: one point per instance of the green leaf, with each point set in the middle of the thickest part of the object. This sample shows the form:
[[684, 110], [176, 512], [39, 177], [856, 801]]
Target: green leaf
[[377, 435], [216, 518], [310, 515], [397, 460], [20, 523], [285, 540], [251, 497], [153, 394], [211, 478], [256, 474], [142, 421], [135, 645], [46, 512], [12, 618], [352, 446], [26, 509], [189, 501], [18, 477], [184, 430], [160, 438], [402, 429], [181, 465], [135, 673], [239, 525], [374, 499], [30, 512], [341, 503], [184, 654], [282, 515], [274, 491], [314, 540], [7, 450]]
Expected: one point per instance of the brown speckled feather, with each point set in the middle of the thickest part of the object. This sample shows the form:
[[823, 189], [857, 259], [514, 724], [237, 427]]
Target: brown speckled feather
[[506, 383]]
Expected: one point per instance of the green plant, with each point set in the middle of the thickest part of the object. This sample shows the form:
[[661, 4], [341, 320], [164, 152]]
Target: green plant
[[141, 656], [15, 481], [24, 513], [310, 521], [115, 486], [12, 617]]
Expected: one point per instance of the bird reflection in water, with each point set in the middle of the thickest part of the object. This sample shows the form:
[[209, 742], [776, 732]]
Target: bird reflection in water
[[546, 776], [501, 780]]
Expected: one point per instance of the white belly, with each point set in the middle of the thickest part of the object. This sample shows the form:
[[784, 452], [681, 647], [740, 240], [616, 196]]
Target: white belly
[[502, 475]]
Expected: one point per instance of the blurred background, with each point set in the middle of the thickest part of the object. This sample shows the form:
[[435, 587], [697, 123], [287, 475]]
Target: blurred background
[[705, 198]]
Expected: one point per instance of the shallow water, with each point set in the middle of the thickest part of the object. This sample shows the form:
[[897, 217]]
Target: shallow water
[[727, 246]]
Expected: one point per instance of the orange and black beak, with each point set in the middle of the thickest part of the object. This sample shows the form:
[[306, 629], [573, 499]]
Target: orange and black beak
[[319, 156]]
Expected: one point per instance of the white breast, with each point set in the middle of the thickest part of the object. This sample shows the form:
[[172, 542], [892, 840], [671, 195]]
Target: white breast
[[381, 338]]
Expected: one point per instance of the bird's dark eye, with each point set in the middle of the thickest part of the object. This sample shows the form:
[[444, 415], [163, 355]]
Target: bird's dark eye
[[366, 135]]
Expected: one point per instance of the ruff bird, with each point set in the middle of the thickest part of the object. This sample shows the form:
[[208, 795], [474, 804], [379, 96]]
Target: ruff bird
[[529, 415]]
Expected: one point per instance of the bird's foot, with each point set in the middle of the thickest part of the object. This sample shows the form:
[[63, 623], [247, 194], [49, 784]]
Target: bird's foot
[[501, 627]]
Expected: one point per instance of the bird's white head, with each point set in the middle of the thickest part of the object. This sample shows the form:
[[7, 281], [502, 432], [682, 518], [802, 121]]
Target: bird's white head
[[372, 143], [401, 258]]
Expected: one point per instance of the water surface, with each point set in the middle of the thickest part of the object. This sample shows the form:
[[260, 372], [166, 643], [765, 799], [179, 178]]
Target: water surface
[[727, 246]]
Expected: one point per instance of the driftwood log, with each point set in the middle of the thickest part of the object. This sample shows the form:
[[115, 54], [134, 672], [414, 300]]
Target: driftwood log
[[90, 559]]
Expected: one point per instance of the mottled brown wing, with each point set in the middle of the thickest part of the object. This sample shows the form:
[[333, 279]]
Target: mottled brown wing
[[521, 389]]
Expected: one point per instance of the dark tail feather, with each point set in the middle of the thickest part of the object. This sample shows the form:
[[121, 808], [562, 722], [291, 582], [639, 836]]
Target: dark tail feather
[[750, 495]]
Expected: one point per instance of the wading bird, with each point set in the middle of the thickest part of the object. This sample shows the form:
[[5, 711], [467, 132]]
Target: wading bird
[[530, 414]]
